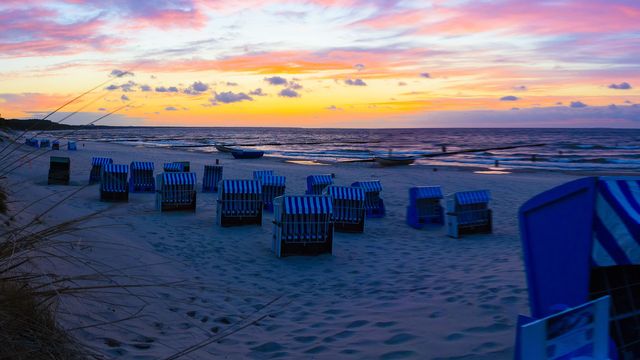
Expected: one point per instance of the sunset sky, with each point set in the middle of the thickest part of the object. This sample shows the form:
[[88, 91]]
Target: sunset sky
[[324, 63]]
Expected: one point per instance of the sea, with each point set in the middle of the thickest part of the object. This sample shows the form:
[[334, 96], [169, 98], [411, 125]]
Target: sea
[[565, 149]]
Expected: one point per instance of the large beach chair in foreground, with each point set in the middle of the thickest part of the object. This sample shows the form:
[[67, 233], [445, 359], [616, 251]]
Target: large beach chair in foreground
[[581, 241], [373, 204], [424, 206], [468, 213], [71, 146], [96, 168], [141, 179], [317, 183], [302, 225], [211, 178], [272, 187], [239, 203], [348, 208], [176, 191], [59, 170], [113, 183], [173, 167]]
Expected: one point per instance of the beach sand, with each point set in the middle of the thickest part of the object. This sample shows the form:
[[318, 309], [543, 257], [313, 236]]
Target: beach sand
[[391, 292]]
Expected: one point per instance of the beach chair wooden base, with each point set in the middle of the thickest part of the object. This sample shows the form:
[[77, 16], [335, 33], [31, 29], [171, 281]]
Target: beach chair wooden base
[[228, 221], [306, 249], [455, 229], [114, 196], [149, 188], [349, 227], [183, 206]]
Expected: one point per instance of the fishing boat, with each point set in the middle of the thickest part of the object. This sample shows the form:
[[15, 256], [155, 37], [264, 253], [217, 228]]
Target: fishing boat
[[247, 154], [394, 160], [225, 149]]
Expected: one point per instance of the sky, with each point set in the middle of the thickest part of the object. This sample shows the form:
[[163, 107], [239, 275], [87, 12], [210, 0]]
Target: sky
[[323, 63]]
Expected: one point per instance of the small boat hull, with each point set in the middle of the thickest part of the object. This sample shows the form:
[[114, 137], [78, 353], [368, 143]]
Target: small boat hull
[[247, 154], [225, 149], [394, 160]]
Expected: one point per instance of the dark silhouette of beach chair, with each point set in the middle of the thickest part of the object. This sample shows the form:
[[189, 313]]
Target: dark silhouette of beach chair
[[317, 183], [173, 167], [302, 225], [424, 206], [581, 241], [96, 168], [348, 208], [59, 170], [239, 203], [113, 183], [373, 204], [211, 178], [55, 145], [468, 213], [141, 179], [44, 143], [272, 186], [71, 146], [176, 191]]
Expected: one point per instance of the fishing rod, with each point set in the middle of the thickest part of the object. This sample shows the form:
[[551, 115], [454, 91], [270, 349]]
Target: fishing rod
[[447, 153]]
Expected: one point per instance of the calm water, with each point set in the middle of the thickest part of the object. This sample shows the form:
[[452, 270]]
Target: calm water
[[579, 149]]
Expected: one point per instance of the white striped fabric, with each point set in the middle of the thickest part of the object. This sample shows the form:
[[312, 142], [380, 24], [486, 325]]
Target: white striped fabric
[[273, 180], [426, 192], [473, 197], [114, 178], [321, 179], [142, 165], [369, 186], [345, 192], [348, 203], [259, 174], [99, 161], [173, 167]]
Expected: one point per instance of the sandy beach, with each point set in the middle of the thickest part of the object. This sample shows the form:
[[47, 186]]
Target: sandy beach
[[392, 292]]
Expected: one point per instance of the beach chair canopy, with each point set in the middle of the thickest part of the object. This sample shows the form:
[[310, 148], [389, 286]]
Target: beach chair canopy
[[307, 204], [259, 174], [425, 192], [179, 178], [320, 179], [472, 197], [174, 166], [369, 186], [273, 180], [346, 192], [142, 165], [99, 161], [115, 168], [241, 186]]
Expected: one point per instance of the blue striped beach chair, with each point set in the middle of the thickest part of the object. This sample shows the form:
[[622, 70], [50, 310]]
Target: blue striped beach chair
[[173, 167], [272, 187], [55, 145], [32, 142], [44, 143], [141, 179], [96, 168], [424, 206], [211, 178], [113, 183], [176, 191], [581, 241], [468, 213], [59, 169], [71, 146], [317, 183], [239, 203], [348, 208], [302, 225], [259, 174], [373, 204]]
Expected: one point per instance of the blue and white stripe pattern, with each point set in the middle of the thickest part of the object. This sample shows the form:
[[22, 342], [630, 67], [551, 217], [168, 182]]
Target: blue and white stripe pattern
[[273, 180], [142, 165], [99, 161], [173, 167], [317, 183], [369, 186], [241, 186], [211, 177], [617, 222], [240, 198], [259, 174], [179, 178], [426, 192], [473, 197], [307, 205], [114, 178], [348, 204], [71, 145], [346, 192]]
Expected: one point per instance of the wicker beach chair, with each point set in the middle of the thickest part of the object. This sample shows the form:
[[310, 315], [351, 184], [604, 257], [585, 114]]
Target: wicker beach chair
[[302, 225], [176, 191], [468, 213], [96, 168], [55, 145], [348, 208], [173, 167], [239, 203], [211, 178], [113, 183], [272, 187], [581, 241], [259, 174], [373, 204], [45, 143], [424, 206], [141, 179], [59, 170], [317, 183], [71, 146]]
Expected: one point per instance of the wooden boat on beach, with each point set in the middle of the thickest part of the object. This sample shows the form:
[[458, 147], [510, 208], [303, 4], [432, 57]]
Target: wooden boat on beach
[[394, 160], [247, 154], [225, 149]]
